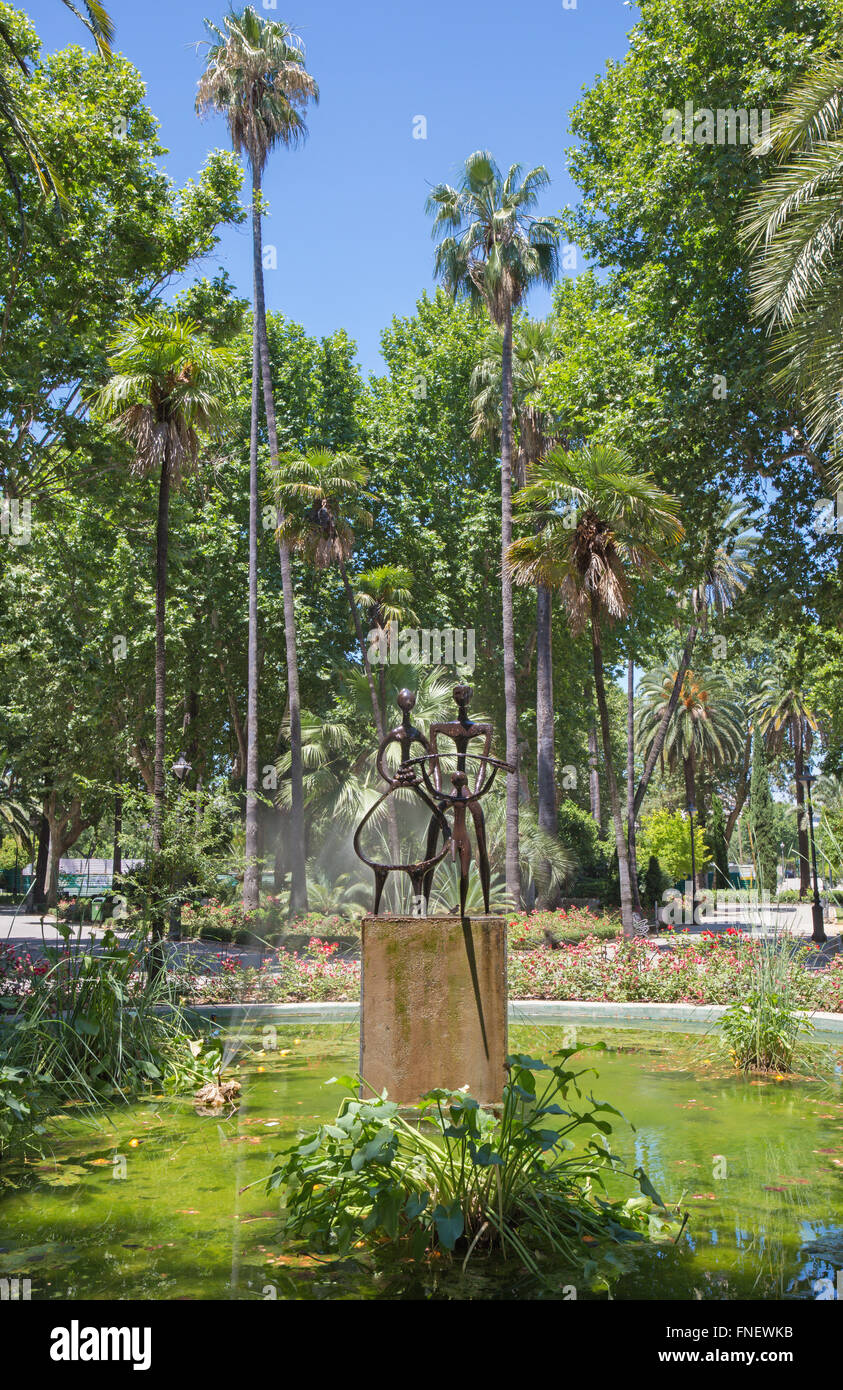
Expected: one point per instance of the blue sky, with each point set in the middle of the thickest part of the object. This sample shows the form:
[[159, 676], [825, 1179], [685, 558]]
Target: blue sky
[[347, 209]]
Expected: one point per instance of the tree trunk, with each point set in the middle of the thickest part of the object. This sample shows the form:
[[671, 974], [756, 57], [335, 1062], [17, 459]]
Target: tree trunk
[[162, 535], [611, 779], [252, 874], [630, 786], [661, 733], [298, 892], [593, 765], [38, 888], [156, 965], [545, 760], [513, 870]]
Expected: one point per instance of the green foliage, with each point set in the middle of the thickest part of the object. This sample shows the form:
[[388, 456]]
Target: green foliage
[[458, 1179], [579, 831], [667, 835], [123, 229], [655, 881]]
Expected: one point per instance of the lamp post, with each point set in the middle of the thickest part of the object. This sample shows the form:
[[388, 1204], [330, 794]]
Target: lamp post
[[781, 850], [691, 809], [818, 935]]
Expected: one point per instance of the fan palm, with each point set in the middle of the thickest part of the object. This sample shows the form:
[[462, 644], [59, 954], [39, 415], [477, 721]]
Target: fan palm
[[794, 225], [384, 593], [786, 719], [533, 349], [168, 385], [724, 567], [255, 75], [492, 249], [323, 500], [596, 520], [705, 730]]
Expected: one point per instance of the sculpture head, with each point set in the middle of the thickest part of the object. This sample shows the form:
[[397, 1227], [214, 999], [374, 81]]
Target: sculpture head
[[462, 695], [406, 699]]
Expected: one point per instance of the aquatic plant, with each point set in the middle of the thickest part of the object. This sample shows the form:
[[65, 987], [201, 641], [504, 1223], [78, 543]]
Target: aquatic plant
[[764, 1030], [527, 1182]]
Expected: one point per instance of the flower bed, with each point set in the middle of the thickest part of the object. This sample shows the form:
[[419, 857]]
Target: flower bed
[[715, 968], [569, 925]]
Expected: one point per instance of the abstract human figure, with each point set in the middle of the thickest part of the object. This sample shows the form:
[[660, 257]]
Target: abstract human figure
[[462, 732], [424, 777], [405, 735]]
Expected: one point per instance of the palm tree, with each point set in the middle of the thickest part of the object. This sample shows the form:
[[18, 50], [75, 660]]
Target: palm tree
[[785, 718], [384, 593], [705, 730], [724, 566], [492, 250], [333, 489], [792, 223], [533, 349], [256, 76], [168, 385], [596, 521]]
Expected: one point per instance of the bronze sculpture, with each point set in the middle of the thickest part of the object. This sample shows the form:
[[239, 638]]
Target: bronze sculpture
[[423, 775]]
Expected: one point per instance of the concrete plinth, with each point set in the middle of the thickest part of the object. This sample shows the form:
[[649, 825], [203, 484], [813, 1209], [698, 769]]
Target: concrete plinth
[[433, 1006]]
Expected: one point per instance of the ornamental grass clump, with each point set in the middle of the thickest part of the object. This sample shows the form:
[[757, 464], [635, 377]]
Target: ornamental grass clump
[[764, 1030], [456, 1180], [93, 1027]]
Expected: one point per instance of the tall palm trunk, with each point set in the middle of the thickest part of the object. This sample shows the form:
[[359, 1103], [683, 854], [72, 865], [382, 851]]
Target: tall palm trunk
[[546, 780], [593, 766], [611, 779], [161, 539], [252, 875], [630, 786], [158, 784], [513, 871], [298, 894]]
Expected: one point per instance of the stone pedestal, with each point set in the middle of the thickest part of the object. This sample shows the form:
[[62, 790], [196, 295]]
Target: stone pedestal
[[433, 1006]]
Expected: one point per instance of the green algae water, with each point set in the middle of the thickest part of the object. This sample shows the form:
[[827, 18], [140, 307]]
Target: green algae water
[[153, 1201]]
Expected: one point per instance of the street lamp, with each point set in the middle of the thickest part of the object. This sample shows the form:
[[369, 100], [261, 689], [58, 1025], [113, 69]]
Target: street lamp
[[181, 768], [818, 935]]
